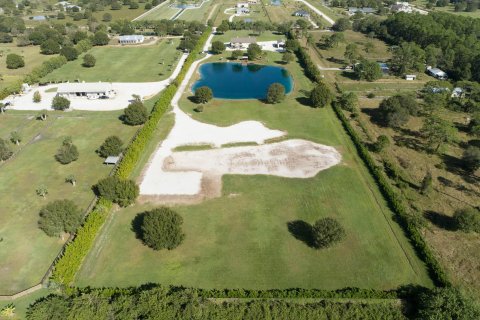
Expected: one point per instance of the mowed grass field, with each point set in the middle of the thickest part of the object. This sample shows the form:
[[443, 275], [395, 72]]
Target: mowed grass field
[[164, 12], [241, 239], [199, 14], [26, 252], [31, 55], [123, 64]]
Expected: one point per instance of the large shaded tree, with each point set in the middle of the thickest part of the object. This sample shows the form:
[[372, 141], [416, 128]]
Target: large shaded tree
[[396, 110], [136, 113], [123, 192], [59, 216], [320, 96], [112, 146], [162, 229], [275, 93], [327, 232], [438, 133], [446, 303], [68, 152]]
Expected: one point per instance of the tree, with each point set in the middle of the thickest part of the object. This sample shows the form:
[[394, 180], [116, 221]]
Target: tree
[[407, 56], [438, 133], [334, 40], [107, 17], [59, 216], [15, 137], [395, 111], [320, 96], [60, 103], [61, 16], [203, 94], [5, 152], [288, 57], [445, 303], [342, 24], [133, 5], [50, 46], [15, 61], [381, 143], [348, 101], [162, 229], [218, 47], [223, 27], [275, 93], [474, 124], [112, 146], [236, 54], [69, 52], [135, 114], [100, 38], [254, 51], [42, 191], [368, 70], [89, 60], [326, 232], [122, 192], [351, 53], [470, 158], [467, 220], [68, 152], [37, 97], [71, 179], [427, 183]]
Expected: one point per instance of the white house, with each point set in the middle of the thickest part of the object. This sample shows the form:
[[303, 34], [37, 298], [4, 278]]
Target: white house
[[242, 5], [92, 90], [301, 13], [410, 77], [401, 7], [241, 43], [131, 39], [437, 73]]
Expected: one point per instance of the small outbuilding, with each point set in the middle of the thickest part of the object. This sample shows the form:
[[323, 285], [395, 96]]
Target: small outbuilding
[[364, 10], [39, 18], [112, 160], [92, 90], [301, 13], [240, 43], [131, 39], [410, 77]]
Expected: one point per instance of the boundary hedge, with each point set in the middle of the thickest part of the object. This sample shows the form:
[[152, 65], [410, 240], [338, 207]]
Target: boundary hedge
[[397, 205], [76, 250]]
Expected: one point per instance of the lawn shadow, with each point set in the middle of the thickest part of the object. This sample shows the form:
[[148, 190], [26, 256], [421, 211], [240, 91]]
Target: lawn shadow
[[302, 231], [137, 225], [349, 75], [441, 220]]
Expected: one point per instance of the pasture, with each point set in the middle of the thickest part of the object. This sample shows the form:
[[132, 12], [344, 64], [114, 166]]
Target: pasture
[[26, 252], [242, 238], [122, 64]]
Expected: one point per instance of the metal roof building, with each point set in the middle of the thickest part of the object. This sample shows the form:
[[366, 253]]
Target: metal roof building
[[131, 39], [91, 90]]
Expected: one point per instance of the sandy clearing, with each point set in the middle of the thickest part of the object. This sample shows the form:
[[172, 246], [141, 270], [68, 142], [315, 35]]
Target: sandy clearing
[[290, 158], [124, 90]]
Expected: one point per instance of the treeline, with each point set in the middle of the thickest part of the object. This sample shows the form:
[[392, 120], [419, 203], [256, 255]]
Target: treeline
[[447, 41], [181, 303]]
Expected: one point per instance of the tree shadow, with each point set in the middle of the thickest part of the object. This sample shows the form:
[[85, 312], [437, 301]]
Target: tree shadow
[[441, 220], [192, 99], [302, 231], [136, 226], [349, 75], [303, 101], [411, 143], [375, 115]]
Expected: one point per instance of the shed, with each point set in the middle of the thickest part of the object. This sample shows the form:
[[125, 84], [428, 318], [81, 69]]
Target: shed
[[301, 13], [437, 73], [365, 10], [111, 160], [410, 77], [39, 18], [93, 90]]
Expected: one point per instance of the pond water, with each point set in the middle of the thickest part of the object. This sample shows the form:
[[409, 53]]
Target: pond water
[[237, 81]]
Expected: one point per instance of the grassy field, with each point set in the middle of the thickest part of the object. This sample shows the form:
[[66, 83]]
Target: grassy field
[[199, 14], [264, 36], [26, 252], [165, 12], [450, 8], [31, 55], [241, 239], [122, 64]]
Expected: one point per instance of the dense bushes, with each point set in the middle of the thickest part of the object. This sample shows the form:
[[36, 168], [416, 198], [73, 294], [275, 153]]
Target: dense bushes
[[397, 205], [68, 152], [327, 232], [112, 146], [5, 151], [15, 61], [203, 94], [120, 191], [46, 67], [185, 303], [446, 303], [309, 67], [59, 216], [467, 220], [135, 114], [60, 103], [275, 93], [161, 228]]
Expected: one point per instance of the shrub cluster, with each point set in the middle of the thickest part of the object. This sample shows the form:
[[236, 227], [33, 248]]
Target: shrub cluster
[[310, 69], [161, 228], [46, 67], [397, 205], [120, 191]]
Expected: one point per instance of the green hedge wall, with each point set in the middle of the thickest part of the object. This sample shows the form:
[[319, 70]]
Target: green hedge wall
[[397, 205], [68, 264]]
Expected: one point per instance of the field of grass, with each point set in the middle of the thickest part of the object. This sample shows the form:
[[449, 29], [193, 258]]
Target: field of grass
[[122, 64], [450, 8], [264, 36], [165, 12], [31, 55], [199, 14], [241, 239], [26, 252]]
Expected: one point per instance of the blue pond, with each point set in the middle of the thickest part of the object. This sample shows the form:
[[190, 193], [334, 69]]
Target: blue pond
[[237, 81]]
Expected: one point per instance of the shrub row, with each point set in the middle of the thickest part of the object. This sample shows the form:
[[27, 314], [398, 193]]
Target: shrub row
[[77, 249], [74, 253], [310, 69], [396, 204], [46, 67]]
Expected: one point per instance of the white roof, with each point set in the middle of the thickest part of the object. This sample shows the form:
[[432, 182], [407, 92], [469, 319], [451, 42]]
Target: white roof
[[84, 87], [437, 71], [132, 37], [111, 160]]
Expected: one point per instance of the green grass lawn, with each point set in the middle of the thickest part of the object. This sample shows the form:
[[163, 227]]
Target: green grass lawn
[[165, 12], [123, 64], [31, 55], [264, 36], [199, 14], [241, 239], [26, 252]]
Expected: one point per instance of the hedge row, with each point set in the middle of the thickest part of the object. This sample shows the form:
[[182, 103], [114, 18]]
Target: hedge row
[[76, 250], [309, 67], [396, 204], [68, 264]]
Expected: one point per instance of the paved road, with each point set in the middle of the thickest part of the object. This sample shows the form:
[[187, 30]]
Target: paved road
[[320, 13]]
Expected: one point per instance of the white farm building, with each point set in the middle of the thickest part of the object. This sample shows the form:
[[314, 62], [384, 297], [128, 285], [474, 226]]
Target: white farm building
[[131, 39], [93, 90]]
